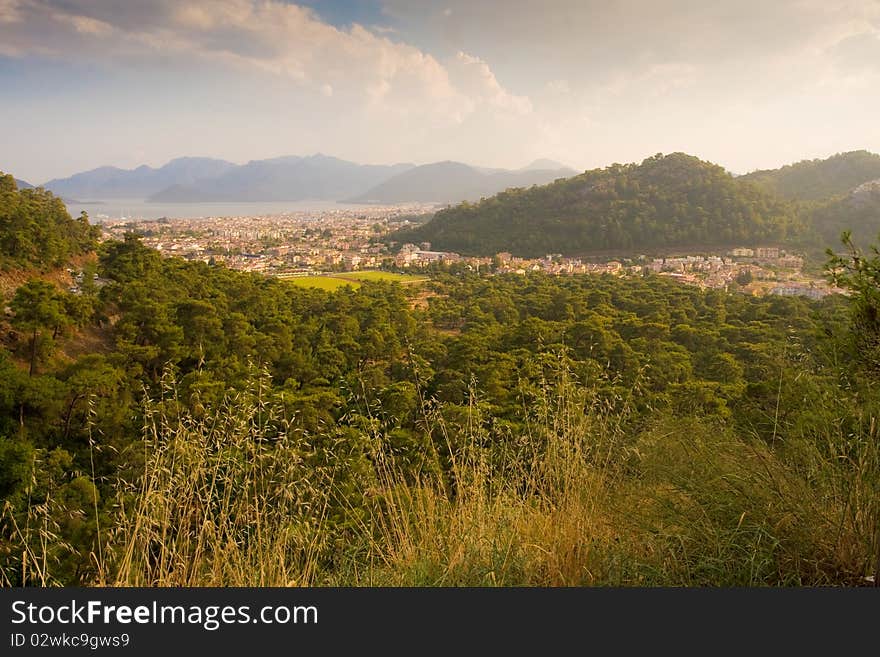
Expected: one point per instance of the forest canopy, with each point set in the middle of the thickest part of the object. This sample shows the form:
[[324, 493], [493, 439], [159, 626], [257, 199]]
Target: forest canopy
[[672, 200], [36, 229], [600, 429], [812, 180]]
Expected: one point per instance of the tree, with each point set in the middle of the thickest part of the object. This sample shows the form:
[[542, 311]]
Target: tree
[[860, 274], [36, 229], [744, 277], [38, 306], [128, 260]]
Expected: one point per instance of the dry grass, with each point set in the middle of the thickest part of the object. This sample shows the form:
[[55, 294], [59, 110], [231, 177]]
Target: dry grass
[[224, 501], [232, 497], [538, 517]]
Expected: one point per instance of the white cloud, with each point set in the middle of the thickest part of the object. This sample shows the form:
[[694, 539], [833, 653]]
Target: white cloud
[[475, 79], [269, 37], [749, 83]]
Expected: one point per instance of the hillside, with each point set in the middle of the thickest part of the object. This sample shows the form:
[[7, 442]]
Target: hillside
[[502, 410], [21, 184], [36, 229], [443, 182], [601, 430], [289, 178], [857, 212], [812, 180], [111, 182], [672, 200]]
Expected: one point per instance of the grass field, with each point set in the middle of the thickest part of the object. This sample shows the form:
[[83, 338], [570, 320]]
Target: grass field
[[329, 283], [381, 276], [354, 279]]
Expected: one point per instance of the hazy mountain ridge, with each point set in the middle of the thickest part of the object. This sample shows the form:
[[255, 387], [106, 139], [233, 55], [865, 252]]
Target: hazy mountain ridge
[[144, 181], [21, 184], [443, 182], [669, 200], [291, 178], [544, 164], [298, 178], [811, 180]]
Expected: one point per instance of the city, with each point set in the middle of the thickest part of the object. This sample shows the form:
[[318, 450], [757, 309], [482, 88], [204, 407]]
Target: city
[[319, 242]]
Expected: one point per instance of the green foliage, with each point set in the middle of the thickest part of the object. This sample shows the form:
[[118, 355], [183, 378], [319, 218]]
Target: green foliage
[[672, 200], [811, 180], [36, 229], [38, 307], [237, 429], [860, 274], [15, 462], [857, 213], [726, 510], [744, 277]]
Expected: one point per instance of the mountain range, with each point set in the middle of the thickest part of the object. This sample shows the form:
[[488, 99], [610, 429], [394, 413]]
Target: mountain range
[[290, 178], [21, 184], [453, 181], [142, 182], [295, 178]]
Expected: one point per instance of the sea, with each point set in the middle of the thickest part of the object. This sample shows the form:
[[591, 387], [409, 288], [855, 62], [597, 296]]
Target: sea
[[136, 209]]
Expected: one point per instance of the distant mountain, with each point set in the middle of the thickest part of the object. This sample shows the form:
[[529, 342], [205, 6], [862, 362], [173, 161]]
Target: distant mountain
[[295, 178], [672, 200], [812, 180], [111, 182], [543, 164], [21, 184], [283, 179], [445, 182]]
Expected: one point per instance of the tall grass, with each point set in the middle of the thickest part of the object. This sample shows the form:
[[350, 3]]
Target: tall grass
[[235, 496], [539, 515], [722, 509], [226, 499]]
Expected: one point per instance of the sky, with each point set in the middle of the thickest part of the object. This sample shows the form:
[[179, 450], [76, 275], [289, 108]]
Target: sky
[[748, 84]]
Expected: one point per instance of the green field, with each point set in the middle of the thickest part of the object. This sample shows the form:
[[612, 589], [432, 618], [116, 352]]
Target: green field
[[354, 279], [330, 283], [406, 279]]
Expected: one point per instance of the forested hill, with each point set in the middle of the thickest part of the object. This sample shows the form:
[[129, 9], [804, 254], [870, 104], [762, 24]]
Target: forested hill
[[672, 200], [858, 212], [811, 180], [36, 229]]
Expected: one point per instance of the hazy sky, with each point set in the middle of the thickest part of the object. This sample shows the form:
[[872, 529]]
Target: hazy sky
[[745, 83]]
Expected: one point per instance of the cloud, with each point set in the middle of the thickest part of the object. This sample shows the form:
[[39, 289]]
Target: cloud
[[474, 77], [594, 43], [268, 37], [749, 83], [9, 12], [90, 26]]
